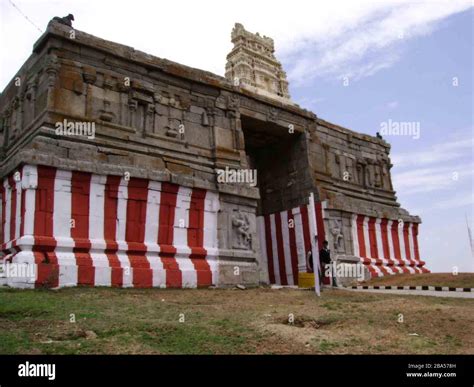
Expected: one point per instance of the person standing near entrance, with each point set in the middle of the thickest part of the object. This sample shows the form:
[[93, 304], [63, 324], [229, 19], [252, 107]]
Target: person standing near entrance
[[325, 259], [310, 263]]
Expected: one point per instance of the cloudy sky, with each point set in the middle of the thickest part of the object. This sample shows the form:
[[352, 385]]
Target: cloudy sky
[[360, 64]]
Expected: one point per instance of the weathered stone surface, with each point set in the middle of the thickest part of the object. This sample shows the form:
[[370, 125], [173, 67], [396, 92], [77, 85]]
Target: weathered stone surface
[[163, 121], [252, 64]]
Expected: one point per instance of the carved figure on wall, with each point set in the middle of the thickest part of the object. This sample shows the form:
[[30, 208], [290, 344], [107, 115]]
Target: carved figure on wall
[[337, 236], [273, 114], [106, 114], [360, 173], [161, 99], [369, 178], [51, 63], [387, 182], [171, 131], [378, 174], [241, 238], [233, 104], [350, 170]]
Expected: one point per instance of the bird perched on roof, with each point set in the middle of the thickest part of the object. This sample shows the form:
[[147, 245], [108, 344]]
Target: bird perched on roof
[[66, 20]]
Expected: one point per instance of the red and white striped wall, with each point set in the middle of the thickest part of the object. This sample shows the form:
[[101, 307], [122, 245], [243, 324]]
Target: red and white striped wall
[[387, 246], [80, 228], [285, 239]]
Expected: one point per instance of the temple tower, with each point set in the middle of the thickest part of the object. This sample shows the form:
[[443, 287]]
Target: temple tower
[[252, 65]]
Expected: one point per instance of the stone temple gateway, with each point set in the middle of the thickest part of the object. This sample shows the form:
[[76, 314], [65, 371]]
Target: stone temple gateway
[[110, 162]]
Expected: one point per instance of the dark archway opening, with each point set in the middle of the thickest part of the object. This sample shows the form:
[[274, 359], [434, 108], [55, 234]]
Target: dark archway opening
[[281, 160]]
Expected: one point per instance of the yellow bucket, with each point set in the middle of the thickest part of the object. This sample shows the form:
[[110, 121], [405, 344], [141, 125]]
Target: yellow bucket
[[306, 280]]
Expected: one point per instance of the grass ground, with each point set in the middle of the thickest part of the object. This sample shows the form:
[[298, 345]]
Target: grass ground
[[149, 321], [461, 280]]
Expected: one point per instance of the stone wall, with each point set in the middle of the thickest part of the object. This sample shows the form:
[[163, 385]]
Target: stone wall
[[352, 173], [158, 120]]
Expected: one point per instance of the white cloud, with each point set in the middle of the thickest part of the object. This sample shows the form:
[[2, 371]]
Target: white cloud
[[309, 102], [437, 178], [377, 34], [331, 39], [437, 153], [438, 181], [442, 171]]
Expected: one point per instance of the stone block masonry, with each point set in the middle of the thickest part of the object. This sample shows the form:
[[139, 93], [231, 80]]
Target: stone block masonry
[[134, 200]]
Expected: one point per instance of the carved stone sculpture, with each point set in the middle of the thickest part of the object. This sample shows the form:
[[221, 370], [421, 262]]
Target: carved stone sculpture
[[252, 63], [337, 236], [106, 114], [241, 236]]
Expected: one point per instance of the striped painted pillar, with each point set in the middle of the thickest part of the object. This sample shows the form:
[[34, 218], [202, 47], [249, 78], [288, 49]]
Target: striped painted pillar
[[79, 228], [285, 240], [386, 246]]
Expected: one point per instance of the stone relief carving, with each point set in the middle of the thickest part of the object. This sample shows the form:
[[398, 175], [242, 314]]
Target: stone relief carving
[[337, 235], [31, 88], [106, 114], [211, 112], [233, 105], [338, 169], [160, 98], [171, 132], [6, 119], [109, 82], [171, 101], [344, 167], [132, 107], [362, 171], [369, 173], [221, 102], [377, 175], [174, 101], [272, 114], [350, 169], [241, 236], [14, 127], [52, 69], [387, 181]]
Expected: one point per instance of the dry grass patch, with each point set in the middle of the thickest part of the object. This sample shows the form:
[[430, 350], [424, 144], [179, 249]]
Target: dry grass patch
[[461, 280], [229, 321]]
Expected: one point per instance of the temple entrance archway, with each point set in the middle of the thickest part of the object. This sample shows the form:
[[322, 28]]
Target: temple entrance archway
[[287, 216]]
